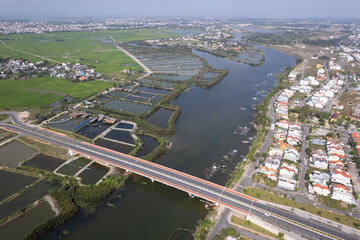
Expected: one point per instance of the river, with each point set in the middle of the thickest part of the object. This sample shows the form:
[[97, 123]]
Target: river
[[204, 133]]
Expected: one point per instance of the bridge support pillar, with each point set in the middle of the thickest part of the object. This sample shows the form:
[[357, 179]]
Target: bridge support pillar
[[152, 179]]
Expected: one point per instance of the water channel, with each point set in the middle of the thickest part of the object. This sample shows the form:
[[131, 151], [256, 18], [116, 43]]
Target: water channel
[[204, 133]]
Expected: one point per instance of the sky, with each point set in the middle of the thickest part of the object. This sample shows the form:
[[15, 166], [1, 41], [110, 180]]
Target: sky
[[180, 8]]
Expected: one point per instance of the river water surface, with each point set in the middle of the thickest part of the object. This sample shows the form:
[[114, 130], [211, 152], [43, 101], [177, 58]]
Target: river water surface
[[204, 133]]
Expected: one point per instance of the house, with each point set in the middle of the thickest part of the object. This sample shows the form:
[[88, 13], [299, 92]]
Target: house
[[318, 141], [287, 171], [336, 164], [275, 152], [271, 162], [287, 183], [343, 196], [283, 124], [269, 172], [320, 163], [321, 178], [291, 154], [319, 189], [342, 177], [293, 140], [340, 188]]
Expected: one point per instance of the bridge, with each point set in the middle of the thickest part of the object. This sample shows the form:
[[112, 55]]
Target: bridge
[[192, 185]]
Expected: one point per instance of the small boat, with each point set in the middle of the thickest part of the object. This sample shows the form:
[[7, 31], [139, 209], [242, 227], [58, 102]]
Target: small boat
[[232, 152], [245, 141], [242, 108]]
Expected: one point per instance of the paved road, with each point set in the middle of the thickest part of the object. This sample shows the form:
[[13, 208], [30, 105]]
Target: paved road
[[146, 69], [193, 185], [303, 159]]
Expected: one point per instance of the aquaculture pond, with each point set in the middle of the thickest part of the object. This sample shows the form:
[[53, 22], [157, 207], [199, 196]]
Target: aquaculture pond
[[44, 162], [160, 118], [93, 173], [180, 78], [154, 83], [127, 106], [117, 94], [211, 74], [13, 182], [120, 135], [150, 144], [93, 130], [19, 227], [119, 147], [74, 166], [30, 195], [155, 99], [167, 61], [124, 125], [14, 153], [153, 90], [66, 123], [135, 98]]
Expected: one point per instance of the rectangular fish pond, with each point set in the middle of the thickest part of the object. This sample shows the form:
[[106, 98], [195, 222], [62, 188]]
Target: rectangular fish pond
[[127, 106], [153, 90], [74, 166], [160, 118], [14, 153], [120, 135], [44, 162], [66, 123], [93, 130], [29, 196], [19, 227], [93, 173], [15, 182], [119, 147], [124, 125]]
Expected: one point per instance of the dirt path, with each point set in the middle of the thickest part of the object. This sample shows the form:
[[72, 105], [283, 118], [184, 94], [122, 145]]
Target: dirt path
[[35, 55]]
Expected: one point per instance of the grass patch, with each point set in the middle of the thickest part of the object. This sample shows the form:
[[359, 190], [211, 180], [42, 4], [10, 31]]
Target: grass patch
[[252, 226], [40, 92], [45, 148], [5, 135], [270, 197]]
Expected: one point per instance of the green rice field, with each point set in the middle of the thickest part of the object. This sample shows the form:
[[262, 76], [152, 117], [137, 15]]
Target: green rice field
[[40, 92], [89, 48]]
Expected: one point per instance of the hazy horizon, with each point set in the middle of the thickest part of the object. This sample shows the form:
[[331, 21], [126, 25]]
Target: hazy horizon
[[184, 8]]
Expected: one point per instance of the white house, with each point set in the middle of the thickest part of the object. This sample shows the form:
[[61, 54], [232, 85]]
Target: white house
[[272, 163], [283, 124], [319, 189], [287, 183], [319, 177], [320, 163], [342, 177], [287, 171], [291, 154], [275, 152]]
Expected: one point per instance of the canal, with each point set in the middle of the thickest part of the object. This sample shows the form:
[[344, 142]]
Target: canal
[[204, 133]]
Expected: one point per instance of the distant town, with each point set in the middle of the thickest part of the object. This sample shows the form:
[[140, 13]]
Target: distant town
[[256, 120]]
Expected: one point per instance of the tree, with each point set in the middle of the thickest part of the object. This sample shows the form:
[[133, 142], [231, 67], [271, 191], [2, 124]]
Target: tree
[[307, 176], [281, 235]]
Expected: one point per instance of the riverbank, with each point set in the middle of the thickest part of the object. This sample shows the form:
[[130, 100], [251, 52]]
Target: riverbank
[[262, 120]]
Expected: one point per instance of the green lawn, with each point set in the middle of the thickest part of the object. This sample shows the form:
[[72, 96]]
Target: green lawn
[[252, 226], [84, 47], [39, 92]]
